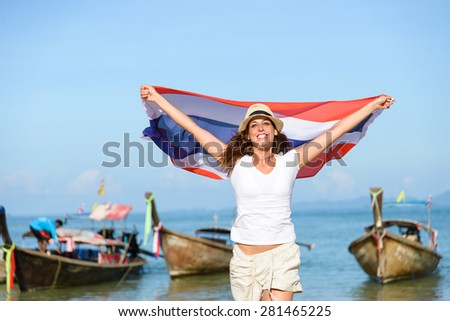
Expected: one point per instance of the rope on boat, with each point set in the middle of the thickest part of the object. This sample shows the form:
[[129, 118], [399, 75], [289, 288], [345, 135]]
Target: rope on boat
[[124, 276], [58, 270], [379, 241]]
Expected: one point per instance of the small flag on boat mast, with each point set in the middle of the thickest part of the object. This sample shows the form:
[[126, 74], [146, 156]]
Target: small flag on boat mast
[[401, 196], [101, 189], [429, 201]]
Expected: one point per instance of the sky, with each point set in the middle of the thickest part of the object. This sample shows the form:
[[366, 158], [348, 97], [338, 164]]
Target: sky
[[70, 73]]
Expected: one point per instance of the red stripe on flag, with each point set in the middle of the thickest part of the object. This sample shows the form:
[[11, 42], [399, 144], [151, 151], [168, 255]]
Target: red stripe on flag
[[336, 152], [311, 111], [203, 172]]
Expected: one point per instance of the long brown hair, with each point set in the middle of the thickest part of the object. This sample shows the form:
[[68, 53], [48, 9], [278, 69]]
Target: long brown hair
[[239, 145]]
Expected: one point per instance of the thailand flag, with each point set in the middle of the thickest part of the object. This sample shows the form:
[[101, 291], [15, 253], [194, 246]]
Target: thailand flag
[[303, 121]]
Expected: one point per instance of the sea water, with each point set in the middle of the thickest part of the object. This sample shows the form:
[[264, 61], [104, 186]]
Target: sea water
[[328, 271]]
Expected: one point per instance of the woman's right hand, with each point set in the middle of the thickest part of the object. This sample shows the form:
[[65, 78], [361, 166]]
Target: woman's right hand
[[149, 93]]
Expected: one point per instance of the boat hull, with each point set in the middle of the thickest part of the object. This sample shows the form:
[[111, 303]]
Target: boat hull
[[36, 270], [188, 255], [398, 259]]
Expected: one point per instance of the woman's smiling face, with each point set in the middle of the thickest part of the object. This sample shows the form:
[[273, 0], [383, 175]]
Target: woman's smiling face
[[261, 132]]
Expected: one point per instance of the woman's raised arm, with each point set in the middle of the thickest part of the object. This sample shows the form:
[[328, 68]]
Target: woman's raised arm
[[208, 141], [308, 152]]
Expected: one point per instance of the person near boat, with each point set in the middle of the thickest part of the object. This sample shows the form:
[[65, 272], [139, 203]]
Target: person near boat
[[262, 167], [44, 229], [412, 233]]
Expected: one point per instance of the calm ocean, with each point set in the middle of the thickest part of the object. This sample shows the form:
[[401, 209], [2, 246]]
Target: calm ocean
[[328, 271]]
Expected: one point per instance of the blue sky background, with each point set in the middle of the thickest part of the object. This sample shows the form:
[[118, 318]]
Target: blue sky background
[[70, 74]]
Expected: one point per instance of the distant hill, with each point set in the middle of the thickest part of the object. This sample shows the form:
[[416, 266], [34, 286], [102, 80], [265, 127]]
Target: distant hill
[[359, 202], [442, 199], [364, 201]]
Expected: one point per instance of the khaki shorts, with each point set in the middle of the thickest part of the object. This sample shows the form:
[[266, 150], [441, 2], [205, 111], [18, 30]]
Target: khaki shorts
[[278, 269]]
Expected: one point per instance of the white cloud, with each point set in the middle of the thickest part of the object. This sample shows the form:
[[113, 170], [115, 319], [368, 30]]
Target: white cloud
[[342, 182], [23, 182], [177, 177], [87, 181], [320, 185], [408, 181]]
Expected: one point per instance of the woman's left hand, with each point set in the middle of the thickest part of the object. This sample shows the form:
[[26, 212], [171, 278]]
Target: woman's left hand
[[383, 102]]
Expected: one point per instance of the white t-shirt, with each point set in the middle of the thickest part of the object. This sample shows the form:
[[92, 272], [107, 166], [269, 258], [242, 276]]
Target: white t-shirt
[[264, 201]]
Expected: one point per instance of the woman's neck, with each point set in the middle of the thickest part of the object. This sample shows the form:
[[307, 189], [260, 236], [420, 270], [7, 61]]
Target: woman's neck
[[263, 157]]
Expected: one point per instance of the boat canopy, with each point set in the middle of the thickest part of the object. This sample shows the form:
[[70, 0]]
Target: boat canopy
[[114, 212], [85, 237], [402, 223]]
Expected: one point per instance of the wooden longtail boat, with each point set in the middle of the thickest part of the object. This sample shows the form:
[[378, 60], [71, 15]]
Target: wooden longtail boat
[[386, 256], [36, 270], [189, 255]]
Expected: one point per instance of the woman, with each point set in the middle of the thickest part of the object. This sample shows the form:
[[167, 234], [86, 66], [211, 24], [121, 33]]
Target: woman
[[262, 167]]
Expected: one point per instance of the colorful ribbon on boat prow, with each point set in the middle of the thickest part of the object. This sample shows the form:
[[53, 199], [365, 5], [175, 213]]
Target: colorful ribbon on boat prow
[[157, 240], [303, 121], [10, 266]]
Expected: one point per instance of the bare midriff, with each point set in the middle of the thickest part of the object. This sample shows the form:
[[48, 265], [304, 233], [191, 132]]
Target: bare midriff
[[256, 249]]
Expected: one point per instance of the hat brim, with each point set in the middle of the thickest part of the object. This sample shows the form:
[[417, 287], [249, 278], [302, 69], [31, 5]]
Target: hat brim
[[276, 121]]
